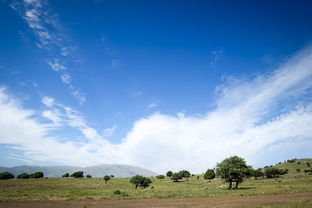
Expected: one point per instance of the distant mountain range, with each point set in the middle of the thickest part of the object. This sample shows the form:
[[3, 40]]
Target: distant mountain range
[[94, 171]]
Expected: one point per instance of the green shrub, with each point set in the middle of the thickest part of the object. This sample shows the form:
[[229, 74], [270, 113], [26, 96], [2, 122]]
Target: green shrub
[[160, 177], [36, 175], [117, 192], [6, 176], [88, 176], [257, 173], [140, 181], [66, 175], [78, 174], [23, 176], [106, 178], [209, 174], [169, 174], [176, 177], [272, 172]]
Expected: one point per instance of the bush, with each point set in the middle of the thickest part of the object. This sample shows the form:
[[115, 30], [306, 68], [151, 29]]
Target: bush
[[257, 173], [169, 174], [66, 175], [185, 173], [176, 177], [117, 192], [298, 163], [112, 176], [308, 164], [140, 181], [298, 170], [6, 176], [106, 178], [272, 172], [209, 174], [23, 176], [308, 171], [160, 177], [88, 176], [36, 175], [291, 161], [78, 174]]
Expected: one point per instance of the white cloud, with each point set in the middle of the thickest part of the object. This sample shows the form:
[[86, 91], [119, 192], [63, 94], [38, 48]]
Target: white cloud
[[46, 27], [65, 78], [152, 105], [248, 120], [109, 131], [56, 65], [48, 101]]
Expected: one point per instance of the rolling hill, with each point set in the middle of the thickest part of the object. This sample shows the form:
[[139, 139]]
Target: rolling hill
[[95, 171]]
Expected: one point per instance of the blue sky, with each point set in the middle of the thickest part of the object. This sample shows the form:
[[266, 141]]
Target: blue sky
[[149, 83]]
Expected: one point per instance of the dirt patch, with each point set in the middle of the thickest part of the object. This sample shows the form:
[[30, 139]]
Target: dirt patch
[[230, 201]]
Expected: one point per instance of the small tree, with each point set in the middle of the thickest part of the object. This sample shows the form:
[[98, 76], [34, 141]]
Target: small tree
[[169, 174], [78, 174], [272, 172], [88, 176], [36, 175], [160, 177], [257, 173], [66, 175], [6, 176], [23, 176], [185, 173], [140, 181], [209, 174], [112, 176], [106, 178], [233, 169], [176, 177]]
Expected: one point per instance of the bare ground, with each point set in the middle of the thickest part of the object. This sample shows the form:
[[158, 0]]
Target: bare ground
[[229, 201]]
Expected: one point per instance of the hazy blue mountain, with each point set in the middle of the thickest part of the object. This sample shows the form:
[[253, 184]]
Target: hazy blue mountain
[[95, 171]]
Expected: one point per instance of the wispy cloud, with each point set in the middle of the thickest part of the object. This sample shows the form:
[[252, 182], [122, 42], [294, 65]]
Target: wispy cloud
[[152, 105], [46, 27], [247, 120]]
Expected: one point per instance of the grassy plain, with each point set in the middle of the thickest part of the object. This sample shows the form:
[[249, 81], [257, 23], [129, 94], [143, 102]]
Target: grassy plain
[[96, 188]]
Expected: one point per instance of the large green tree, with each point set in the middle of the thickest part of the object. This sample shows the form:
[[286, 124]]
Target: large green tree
[[233, 170]]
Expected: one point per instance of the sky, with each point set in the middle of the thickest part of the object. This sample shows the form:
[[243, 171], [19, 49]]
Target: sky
[[163, 85]]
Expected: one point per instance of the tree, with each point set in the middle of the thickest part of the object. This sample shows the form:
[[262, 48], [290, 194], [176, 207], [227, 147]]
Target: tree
[[23, 176], [36, 175], [112, 176], [88, 176], [78, 174], [106, 178], [257, 173], [169, 174], [272, 172], [160, 177], [233, 169], [209, 174], [6, 176], [141, 181], [66, 175], [185, 173], [176, 177]]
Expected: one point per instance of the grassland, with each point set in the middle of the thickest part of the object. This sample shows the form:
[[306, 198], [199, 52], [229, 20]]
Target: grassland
[[96, 188]]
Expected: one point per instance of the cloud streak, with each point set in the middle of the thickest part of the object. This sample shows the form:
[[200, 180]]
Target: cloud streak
[[46, 27], [248, 120]]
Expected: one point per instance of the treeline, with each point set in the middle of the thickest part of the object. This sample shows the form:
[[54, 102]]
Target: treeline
[[7, 175]]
